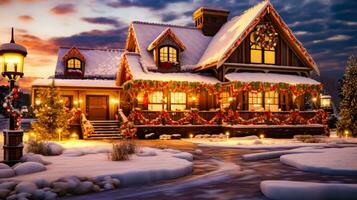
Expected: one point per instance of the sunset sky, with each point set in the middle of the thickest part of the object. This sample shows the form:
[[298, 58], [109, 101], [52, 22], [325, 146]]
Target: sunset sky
[[327, 28]]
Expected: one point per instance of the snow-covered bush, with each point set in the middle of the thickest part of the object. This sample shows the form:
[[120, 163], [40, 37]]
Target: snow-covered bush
[[122, 151], [44, 148], [307, 138]]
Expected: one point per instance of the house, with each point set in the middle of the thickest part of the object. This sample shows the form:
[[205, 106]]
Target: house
[[248, 65]]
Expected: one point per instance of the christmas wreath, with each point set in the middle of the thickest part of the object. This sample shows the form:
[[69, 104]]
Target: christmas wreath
[[265, 35]]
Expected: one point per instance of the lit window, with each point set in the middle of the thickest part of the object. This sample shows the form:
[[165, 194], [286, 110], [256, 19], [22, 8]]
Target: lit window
[[168, 54], [74, 63], [157, 101], [225, 99], [271, 101], [178, 100], [260, 55], [255, 101]]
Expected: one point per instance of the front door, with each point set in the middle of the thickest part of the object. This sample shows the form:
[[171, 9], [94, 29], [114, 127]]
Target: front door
[[97, 107]]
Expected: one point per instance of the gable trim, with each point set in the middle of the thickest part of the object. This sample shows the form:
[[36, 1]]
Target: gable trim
[[166, 33]]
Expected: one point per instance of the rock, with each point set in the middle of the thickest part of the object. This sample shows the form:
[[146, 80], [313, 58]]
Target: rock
[[73, 183], [46, 189], [198, 151], [27, 187], [54, 148], [31, 157], [4, 166], [29, 167], [107, 178], [4, 193], [41, 183], [6, 173], [257, 142], [84, 187], [96, 188], [12, 197], [116, 182], [60, 187], [38, 194], [10, 185], [24, 195], [50, 195], [108, 186]]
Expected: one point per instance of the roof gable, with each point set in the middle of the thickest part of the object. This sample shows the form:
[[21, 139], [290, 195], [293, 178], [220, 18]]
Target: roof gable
[[231, 35], [165, 34]]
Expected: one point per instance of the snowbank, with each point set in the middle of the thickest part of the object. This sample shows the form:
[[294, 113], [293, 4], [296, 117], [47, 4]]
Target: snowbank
[[291, 190], [277, 154], [334, 161], [91, 160]]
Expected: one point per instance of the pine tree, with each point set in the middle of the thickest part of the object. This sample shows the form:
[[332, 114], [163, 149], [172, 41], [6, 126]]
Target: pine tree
[[51, 114], [348, 104]]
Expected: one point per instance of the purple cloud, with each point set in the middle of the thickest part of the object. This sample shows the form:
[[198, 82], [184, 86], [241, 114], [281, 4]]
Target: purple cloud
[[63, 9], [102, 20], [25, 18]]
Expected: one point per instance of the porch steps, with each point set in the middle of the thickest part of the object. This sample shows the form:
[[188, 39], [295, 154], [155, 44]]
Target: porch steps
[[105, 129]]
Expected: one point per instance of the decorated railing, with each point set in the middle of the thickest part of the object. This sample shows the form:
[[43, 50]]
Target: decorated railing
[[230, 117], [87, 127]]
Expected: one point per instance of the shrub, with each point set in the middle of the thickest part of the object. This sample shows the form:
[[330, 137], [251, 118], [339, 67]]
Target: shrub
[[44, 148], [122, 151], [307, 138]]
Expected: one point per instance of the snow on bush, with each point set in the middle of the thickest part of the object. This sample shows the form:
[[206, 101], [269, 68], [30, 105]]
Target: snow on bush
[[334, 161], [291, 190], [28, 168], [44, 148], [31, 157], [122, 151]]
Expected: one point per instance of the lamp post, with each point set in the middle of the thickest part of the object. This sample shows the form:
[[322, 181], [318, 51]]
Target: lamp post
[[12, 57]]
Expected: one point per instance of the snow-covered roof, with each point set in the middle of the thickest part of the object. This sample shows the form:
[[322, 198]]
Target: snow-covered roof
[[96, 83], [193, 39], [229, 33], [248, 77], [100, 63], [166, 33], [232, 33], [138, 73]]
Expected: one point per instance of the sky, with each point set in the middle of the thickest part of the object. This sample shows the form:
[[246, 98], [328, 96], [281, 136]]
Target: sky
[[327, 28]]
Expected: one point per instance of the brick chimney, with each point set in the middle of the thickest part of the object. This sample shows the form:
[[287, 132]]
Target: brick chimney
[[210, 20]]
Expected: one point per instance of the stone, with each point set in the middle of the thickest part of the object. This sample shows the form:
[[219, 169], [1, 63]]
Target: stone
[[27, 187], [4, 193], [9, 185], [29, 168], [38, 194], [31, 157], [84, 187], [96, 188], [12, 197], [24, 195], [42, 183], [60, 187], [7, 173], [198, 151], [46, 189], [108, 186], [50, 195], [116, 182], [55, 149]]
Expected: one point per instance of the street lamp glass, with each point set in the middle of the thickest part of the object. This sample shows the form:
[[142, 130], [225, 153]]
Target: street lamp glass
[[12, 62]]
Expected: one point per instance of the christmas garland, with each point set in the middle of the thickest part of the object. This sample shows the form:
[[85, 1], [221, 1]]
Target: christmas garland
[[265, 36], [231, 118], [9, 99], [87, 127], [234, 88], [127, 130]]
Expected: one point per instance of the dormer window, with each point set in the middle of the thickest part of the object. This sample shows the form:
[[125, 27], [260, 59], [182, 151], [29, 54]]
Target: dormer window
[[168, 54], [74, 63]]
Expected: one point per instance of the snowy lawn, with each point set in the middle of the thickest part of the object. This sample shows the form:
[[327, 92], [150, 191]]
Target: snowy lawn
[[291, 190], [90, 159]]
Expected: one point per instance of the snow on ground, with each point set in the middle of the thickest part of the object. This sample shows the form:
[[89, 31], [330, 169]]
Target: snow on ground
[[253, 142], [291, 190], [90, 159], [333, 161]]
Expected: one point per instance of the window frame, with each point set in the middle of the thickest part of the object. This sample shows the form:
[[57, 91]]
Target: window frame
[[161, 102], [168, 54], [255, 96], [74, 64], [180, 103], [262, 50], [274, 97]]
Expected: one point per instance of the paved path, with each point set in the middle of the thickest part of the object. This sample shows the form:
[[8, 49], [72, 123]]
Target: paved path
[[219, 173]]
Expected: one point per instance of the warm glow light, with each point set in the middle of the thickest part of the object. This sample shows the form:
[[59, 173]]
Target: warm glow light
[[114, 101], [325, 101], [37, 102], [261, 136], [80, 101], [314, 99], [191, 135], [227, 133], [75, 102], [269, 101], [12, 62], [230, 99], [194, 98], [346, 133], [61, 101], [74, 136], [59, 130]]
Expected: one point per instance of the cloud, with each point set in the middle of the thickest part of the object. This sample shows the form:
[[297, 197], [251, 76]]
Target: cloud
[[3, 2], [25, 18], [102, 20], [153, 5], [335, 38], [63, 9]]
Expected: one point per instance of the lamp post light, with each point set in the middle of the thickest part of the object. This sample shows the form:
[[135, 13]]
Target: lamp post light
[[12, 58]]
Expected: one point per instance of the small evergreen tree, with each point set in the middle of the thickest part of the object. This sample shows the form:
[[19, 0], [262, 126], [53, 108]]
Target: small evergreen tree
[[348, 104], [51, 114]]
